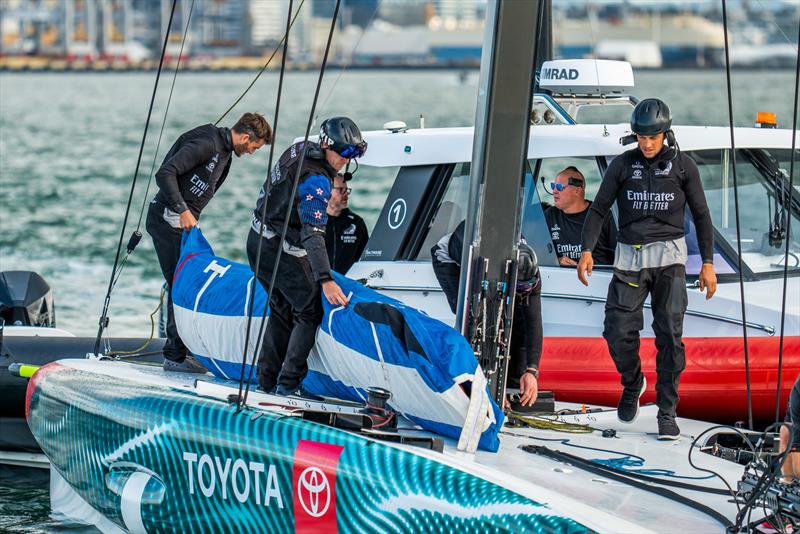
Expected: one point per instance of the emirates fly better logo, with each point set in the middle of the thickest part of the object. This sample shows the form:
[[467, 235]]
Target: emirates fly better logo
[[314, 485]]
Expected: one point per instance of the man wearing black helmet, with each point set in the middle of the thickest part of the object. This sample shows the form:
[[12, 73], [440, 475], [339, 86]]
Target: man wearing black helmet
[[652, 184], [304, 269], [526, 328]]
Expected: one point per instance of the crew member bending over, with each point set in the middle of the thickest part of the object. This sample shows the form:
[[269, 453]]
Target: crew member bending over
[[652, 184], [526, 329], [304, 269], [192, 172]]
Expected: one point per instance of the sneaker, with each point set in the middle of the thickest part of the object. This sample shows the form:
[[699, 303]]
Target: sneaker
[[667, 427], [297, 391], [628, 407], [188, 365]]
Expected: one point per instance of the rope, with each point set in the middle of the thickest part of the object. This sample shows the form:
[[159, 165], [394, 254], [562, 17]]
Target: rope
[[347, 66], [296, 180], [787, 206], [283, 41], [104, 316], [138, 352], [166, 113], [548, 423], [736, 210], [263, 218]]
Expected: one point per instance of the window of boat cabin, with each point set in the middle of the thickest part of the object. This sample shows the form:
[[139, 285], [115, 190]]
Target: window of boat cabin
[[451, 211], [539, 197], [762, 176]]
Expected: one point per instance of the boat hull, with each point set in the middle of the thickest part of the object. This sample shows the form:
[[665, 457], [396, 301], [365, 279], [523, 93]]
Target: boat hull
[[713, 386], [150, 456]]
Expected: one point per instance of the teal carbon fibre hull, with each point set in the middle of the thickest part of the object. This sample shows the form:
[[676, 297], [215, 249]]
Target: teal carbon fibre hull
[[155, 457]]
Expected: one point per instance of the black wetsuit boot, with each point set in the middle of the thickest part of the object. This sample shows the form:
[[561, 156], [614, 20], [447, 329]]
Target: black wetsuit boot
[[295, 314]]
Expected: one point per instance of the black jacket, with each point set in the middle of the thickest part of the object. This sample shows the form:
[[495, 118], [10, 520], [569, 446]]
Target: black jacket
[[307, 216], [565, 231], [651, 196], [345, 238], [194, 169]]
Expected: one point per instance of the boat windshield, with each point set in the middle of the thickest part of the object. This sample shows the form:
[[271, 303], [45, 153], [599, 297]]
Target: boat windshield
[[762, 178]]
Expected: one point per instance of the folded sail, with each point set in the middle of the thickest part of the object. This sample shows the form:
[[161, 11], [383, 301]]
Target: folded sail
[[374, 341]]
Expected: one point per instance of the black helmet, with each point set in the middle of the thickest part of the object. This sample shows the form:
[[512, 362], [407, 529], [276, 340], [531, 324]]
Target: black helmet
[[527, 269], [341, 135], [651, 116]]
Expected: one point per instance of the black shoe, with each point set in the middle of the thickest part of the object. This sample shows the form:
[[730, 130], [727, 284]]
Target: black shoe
[[296, 391], [628, 407], [667, 427], [187, 365]]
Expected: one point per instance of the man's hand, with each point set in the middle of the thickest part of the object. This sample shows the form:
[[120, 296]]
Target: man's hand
[[334, 293], [528, 389], [708, 280], [187, 220], [585, 266], [565, 260]]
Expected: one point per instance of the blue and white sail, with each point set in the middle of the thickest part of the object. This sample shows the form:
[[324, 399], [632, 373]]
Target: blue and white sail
[[374, 341]]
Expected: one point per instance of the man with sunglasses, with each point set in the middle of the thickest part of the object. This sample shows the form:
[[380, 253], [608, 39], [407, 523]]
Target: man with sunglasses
[[304, 270], [192, 172], [652, 184], [346, 234], [565, 220]]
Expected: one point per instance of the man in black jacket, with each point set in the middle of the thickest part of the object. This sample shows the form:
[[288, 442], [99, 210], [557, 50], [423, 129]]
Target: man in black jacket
[[526, 329], [565, 221], [346, 234], [192, 172], [304, 269], [652, 184]]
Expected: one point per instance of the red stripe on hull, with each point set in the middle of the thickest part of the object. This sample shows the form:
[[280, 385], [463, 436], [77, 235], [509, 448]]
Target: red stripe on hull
[[713, 385]]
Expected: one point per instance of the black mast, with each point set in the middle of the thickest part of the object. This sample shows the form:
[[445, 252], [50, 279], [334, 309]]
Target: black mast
[[500, 146]]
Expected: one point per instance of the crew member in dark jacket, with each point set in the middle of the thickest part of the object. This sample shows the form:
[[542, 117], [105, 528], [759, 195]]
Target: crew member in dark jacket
[[346, 234], [565, 220], [526, 329], [652, 184], [192, 172], [295, 305]]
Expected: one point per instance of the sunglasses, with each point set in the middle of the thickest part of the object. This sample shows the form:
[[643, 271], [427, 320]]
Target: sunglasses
[[344, 190], [353, 151], [560, 187]]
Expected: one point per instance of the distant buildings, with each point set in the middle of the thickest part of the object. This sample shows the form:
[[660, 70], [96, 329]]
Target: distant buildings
[[239, 33]]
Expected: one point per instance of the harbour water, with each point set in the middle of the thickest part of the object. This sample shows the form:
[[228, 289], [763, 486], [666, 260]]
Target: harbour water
[[69, 145]]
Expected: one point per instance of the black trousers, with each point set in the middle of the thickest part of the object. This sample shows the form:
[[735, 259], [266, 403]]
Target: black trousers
[[167, 242], [624, 319], [295, 313]]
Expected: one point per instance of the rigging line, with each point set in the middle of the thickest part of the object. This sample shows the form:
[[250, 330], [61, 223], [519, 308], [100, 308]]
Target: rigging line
[[788, 227], [300, 162], [104, 316], [736, 212], [166, 113], [343, 69], [780, 30], [285, 37], [267, 183]]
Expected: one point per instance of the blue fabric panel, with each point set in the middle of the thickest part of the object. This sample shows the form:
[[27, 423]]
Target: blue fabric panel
[[226, 296], [313, 194]]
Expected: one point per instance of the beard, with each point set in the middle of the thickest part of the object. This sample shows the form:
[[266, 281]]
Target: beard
[[240, 149]]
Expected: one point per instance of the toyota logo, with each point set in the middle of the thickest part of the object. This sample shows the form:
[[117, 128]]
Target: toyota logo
[[314, 491]]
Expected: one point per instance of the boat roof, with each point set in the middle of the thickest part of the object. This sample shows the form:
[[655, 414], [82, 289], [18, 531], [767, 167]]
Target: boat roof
[[432, 146]]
